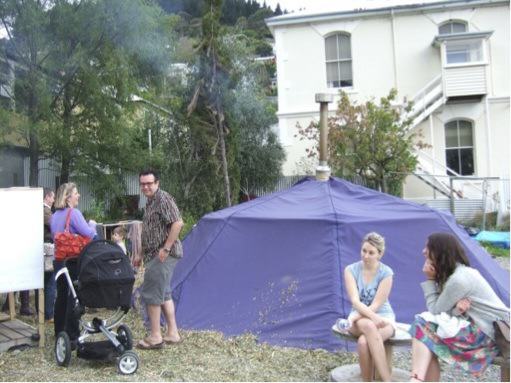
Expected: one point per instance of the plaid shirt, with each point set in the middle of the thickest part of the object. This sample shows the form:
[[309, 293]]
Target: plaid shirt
[[160, 212]]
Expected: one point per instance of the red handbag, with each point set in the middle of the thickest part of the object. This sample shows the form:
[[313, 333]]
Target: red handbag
[[68, 245]]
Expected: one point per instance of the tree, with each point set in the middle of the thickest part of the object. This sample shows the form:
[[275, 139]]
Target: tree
[[369, 140], [103, 52], [26, 26], [211, 85], [260, 155], [186, 142]]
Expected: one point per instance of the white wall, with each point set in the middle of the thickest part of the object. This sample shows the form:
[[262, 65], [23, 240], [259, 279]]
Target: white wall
[[378, 55]]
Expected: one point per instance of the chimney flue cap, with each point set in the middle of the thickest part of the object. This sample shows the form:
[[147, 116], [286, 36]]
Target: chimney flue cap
[[324, 97]]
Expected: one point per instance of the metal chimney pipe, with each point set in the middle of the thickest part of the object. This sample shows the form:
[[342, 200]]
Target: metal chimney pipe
[[323, 170]]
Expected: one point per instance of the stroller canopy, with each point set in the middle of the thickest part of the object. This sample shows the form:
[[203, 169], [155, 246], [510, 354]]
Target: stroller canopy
[[274, 266]]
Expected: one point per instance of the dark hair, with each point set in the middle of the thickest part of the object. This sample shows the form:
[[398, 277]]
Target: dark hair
[[445, 252], [148, 172], [47, 192]]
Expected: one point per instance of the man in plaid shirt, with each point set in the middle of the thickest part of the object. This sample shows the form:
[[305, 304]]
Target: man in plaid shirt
[[162, 249]]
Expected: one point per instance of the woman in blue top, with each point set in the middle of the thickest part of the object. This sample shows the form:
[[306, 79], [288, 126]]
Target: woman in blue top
[[67, 197], [368, 283]]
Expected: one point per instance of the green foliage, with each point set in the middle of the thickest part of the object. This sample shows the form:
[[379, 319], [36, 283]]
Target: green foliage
[[210, 129], [96, 212], [189, 223], [495, 251], [490, 221], [370, 140], [504, 225]]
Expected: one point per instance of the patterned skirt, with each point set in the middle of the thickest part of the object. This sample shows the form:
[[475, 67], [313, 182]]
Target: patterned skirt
[[470, 350]]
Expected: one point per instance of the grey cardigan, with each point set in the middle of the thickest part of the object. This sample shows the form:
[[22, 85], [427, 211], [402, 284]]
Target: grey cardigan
[[467, 282]]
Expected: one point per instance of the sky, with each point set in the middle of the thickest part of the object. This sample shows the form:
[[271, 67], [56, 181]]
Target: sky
[[329, 5]]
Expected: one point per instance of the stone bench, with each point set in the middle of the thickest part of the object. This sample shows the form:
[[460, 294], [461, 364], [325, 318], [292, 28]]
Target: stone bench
[[351, 372]]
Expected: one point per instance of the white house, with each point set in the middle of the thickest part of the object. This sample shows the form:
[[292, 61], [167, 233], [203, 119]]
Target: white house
[[450, 57]]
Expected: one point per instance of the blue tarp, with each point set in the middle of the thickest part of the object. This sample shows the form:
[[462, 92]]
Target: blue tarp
[[273, 266], [496, 238]]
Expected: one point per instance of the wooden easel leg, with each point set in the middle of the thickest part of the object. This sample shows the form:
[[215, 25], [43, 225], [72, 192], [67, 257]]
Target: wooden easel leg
[[12, 309], [40, 316]]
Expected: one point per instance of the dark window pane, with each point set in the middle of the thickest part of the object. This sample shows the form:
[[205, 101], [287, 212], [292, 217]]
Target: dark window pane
[[465, 133], [344, 47], [452, 160], [457, 57], [445, 29], [451, 135], [467, 162], [459, 27], [332, 74], [452, 27], [331, 47], [345, 68]]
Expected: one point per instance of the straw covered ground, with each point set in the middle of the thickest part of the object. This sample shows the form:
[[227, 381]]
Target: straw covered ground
[[202, 356]]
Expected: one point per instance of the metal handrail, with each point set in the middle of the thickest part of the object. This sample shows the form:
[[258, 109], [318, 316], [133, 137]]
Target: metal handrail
[[467, 179], [421, 92]]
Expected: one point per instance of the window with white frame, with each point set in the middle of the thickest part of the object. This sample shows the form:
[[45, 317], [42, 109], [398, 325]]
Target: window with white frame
[[452, 27], [338, 61], [459, 147], [462, 52]]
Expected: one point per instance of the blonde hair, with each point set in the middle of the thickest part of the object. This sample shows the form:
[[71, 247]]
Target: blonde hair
[[120, 231], [375, 240], [63, 193]]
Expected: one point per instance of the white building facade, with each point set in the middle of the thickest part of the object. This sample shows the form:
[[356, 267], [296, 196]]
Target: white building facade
[[451, 58]]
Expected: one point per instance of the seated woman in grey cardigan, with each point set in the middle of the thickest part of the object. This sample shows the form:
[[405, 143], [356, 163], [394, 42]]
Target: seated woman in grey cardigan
[[459, 296]]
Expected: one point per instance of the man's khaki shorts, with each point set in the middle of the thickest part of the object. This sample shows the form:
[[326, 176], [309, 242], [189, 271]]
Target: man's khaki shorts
[[156, 287]]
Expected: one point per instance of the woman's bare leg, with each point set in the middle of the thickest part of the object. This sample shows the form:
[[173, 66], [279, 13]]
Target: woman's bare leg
[[364, 359], [375, 338], [421, 361], [433, 374]]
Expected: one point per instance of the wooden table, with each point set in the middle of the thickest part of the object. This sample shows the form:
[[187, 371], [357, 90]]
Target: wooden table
[[351, 372]]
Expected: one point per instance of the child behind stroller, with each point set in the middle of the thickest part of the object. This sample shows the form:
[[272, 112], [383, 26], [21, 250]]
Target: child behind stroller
[[104, 281]]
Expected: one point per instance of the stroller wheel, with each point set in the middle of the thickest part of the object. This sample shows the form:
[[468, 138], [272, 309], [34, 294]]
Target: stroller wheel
[[125, 337], [63, 349], [128, 363]]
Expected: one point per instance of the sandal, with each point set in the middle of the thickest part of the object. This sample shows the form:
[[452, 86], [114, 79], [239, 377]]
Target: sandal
[[144, 344], [169, 341], [416, 377]]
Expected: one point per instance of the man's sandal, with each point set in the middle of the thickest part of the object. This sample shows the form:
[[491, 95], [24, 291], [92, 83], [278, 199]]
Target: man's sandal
[[144, 344]]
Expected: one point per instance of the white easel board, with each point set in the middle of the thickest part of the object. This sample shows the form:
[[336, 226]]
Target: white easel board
[[21, 239]]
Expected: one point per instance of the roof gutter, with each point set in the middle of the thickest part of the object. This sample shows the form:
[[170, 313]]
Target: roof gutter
[[279, 21]]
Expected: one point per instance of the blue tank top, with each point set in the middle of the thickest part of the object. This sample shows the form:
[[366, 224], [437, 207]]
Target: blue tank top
[[367, 291]]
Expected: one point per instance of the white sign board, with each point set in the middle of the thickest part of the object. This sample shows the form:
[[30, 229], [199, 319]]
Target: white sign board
[[21, 239]]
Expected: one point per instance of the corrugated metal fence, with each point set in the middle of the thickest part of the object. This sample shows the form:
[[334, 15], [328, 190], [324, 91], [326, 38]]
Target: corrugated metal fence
[[49, 177]]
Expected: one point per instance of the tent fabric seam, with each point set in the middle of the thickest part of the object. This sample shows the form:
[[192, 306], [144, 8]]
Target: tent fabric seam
[[339, 270]]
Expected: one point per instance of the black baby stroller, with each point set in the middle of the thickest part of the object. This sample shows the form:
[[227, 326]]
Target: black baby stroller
[[104, 281]]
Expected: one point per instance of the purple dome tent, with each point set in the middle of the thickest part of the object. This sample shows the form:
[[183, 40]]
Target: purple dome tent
[[273, 266]]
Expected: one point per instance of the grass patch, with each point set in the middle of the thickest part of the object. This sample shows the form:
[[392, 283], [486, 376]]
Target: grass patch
[[494, 250]]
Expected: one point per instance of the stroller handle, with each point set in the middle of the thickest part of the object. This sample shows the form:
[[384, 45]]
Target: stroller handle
[[65, 271]]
